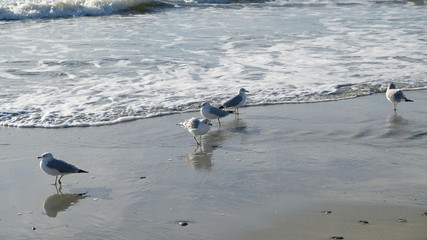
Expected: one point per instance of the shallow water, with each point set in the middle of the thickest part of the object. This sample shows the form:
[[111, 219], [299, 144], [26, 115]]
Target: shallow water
[[86, 63]]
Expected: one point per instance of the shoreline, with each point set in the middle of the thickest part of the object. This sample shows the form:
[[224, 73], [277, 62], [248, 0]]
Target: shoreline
[[273, 163], [126, 119]]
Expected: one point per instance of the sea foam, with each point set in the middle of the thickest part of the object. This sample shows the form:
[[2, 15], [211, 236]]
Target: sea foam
[[91, 71], [43, 9]]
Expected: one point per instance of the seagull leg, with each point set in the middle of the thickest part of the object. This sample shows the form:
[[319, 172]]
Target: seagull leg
[[236, 114], [58, 190], [197, 143], [395, 106], [56, 178], [59, 180], [219, 122]]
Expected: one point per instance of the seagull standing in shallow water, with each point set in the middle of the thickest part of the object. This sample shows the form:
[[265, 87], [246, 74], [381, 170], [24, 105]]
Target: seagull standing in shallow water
[[56, 167], [237, 101], [211, 112], [197, 127], [395, 95]]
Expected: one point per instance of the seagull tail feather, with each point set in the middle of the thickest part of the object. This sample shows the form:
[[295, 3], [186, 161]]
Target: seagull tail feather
[[408, 100], [82, 171]]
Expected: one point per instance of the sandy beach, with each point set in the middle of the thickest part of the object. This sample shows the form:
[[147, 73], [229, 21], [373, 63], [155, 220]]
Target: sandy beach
[[292, 171]]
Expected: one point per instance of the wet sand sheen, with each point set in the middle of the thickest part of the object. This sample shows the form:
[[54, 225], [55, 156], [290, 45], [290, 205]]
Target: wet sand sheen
[[355, 158], [348, 220]]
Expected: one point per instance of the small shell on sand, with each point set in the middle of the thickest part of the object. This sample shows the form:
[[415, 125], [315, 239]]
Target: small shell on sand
[[327, 212], [182, 223]]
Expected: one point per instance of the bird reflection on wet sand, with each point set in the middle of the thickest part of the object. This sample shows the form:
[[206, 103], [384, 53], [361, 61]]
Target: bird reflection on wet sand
[[60, 202], [201, 157], [398, 126], [395, 125], [238, 126], [395, 120], [199, 160]]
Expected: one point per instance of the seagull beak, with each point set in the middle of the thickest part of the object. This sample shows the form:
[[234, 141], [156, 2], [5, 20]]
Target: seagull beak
[[39, 157]]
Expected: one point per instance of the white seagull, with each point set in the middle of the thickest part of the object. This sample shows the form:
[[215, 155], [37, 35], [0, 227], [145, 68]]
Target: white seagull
[[395, 95], [56, 167], [211, 112], [237, 101], [197, 127]]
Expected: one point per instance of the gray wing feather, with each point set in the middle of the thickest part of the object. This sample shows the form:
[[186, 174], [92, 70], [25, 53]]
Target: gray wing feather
[[233, 102], [218, 112], [195, 123], [62, 167], [399, 95]]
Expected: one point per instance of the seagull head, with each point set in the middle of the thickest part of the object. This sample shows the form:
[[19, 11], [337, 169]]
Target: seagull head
[[242, 90], [206, 121], [206, 104], [391, 86], [46, 155]]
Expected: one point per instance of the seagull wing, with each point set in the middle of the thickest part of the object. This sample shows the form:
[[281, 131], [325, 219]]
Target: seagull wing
[[194, 123], [232, 102], [62, 167], [218, 112], [399, 96]]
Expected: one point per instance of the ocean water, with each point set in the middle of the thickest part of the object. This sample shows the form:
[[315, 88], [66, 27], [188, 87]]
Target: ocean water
[[70, 63]]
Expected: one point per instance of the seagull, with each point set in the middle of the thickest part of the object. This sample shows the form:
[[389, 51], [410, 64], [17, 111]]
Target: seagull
[[211, 112], [237, 101], [56, 167], [197, 127], [395, 95]]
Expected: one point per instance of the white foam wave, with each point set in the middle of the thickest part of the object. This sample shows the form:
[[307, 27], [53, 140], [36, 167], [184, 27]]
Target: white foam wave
[[48, 9], [98, 71], [33, 9]]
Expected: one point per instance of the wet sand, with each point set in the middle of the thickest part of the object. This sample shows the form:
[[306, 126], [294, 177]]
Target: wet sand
[[346, 220], [268, 174]]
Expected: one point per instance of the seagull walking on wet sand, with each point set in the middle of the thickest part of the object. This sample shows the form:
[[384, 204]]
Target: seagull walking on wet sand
[[211, 112], [395, 95], [56, 167], [237, 101], [197, 127]]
